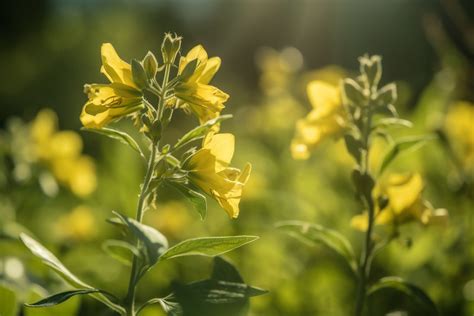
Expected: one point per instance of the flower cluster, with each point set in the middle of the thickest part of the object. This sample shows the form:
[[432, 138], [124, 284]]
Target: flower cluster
[[206, 169], [359, 111], [108, 102], [148, 92]]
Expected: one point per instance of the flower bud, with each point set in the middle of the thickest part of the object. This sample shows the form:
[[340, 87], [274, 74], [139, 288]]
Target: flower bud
[[153, 128], [170, 47], [150, 64], [352, 93], [139, 75], [371, 69]]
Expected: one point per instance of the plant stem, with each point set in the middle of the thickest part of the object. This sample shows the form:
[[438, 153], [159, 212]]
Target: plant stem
[[364, 267], [130, 299], [164, 90], [136, 274]]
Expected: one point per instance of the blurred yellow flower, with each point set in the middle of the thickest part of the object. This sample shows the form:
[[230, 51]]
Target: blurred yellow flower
[[405, 203], [61, 151], [327, 119], [79, 224], [204, 100], [172, 219], [108, 102], [209, 170], [278, 69], [459, 127]]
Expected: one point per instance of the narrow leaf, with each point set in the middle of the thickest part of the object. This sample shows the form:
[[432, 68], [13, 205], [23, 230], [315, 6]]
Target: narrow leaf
[[393, 121], [197, 199], [150, 64], [60, 297], [139, 74], [225, 293], [69, 308], [120, 250], [409, 289], [170, 307], [200, 131], [155, 242], [403, 145], [51, 261], [353, 146], [207, 246], [313, 233], [122, 137]]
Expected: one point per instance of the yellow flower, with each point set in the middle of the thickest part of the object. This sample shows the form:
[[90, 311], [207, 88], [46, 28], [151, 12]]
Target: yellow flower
[[327, 119], [77, 173], [204, 100], [60, 152], [79, 224], [405, 203], [209, 170], [459, 126], [108, 102], [173, 219]]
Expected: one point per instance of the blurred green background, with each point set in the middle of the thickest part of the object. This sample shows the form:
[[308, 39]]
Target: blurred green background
[[270, 50]]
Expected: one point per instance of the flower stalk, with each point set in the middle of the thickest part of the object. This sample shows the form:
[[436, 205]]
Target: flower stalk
[[364, 265], [135, 275]]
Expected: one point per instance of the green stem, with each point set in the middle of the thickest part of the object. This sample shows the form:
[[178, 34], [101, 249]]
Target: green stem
[[164, 90], [134, 275], [364, 267]]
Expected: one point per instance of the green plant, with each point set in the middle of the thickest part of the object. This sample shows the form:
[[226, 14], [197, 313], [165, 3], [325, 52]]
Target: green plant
[[359, 111], [194, 172]]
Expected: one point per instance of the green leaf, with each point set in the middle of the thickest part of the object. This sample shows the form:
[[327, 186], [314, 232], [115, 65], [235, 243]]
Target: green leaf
[[188, 70], [68, 308], [116, 222], [363, 182], [225, 293], [200, 131], [409, 289], [120, 250], [155, 242], [168, 306], [353, 93], [371, 68], [207, 246], [197, 199], [386, 95], [313, 234], [353, 146], [401, 145], [122, 137], [139, 74], [8, 303], [51, 261], [150, 64], [393, 121], [60, 297], [387, 109]]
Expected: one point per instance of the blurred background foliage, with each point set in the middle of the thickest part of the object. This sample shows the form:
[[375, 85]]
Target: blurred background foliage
[[61, 186]]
